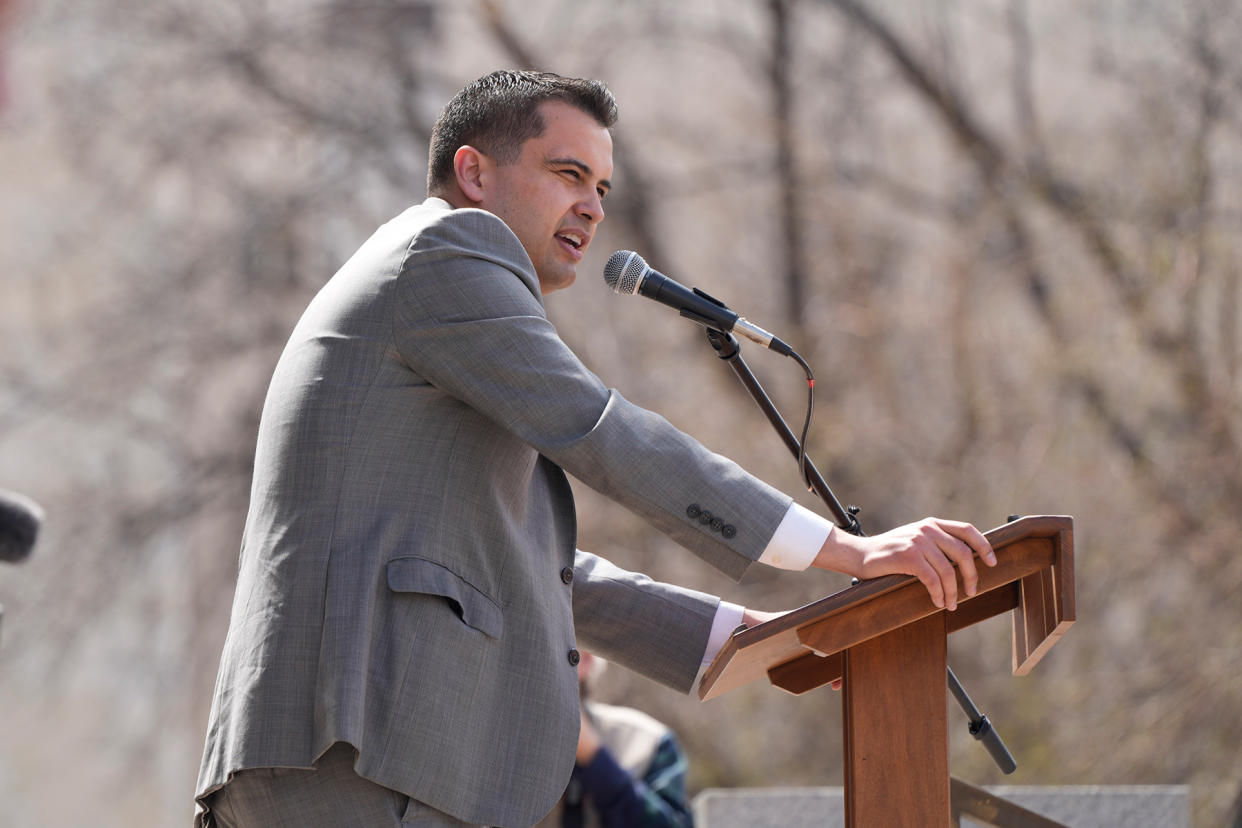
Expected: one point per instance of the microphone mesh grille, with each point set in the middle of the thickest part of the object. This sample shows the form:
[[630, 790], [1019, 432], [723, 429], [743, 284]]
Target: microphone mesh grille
[[625, 271]]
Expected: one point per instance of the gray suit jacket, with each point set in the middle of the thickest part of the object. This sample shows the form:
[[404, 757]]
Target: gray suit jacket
[[408, 579]]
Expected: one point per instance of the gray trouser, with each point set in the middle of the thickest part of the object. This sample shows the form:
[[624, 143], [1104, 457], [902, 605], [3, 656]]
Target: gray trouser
[[330, 796]]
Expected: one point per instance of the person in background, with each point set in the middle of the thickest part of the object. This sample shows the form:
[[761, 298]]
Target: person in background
[[629, 770]]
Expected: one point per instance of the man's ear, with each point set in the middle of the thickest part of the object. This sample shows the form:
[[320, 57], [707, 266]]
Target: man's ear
[[471, 168]]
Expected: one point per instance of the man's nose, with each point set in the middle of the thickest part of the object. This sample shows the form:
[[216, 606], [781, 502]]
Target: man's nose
[[592, 208]]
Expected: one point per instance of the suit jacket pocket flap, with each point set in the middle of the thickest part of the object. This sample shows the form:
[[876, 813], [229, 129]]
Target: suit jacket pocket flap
[[474, 607]]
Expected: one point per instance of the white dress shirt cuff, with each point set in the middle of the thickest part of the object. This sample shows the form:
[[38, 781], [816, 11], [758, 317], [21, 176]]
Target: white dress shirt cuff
[[728, 618], [797, 540], [795, 544]]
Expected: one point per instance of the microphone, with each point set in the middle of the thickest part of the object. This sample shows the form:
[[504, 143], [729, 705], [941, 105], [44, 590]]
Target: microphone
[[20, 518], [626, 273]]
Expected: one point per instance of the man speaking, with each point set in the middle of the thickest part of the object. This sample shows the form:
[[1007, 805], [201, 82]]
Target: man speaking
[[402, 642]]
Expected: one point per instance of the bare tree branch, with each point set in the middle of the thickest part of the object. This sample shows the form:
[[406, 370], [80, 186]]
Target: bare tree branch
[[780, 73]]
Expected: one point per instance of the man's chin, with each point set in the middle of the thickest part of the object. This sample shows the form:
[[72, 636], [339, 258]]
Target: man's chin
[[559, 280]]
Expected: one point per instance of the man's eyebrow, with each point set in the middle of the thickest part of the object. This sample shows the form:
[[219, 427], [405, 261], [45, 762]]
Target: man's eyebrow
[[584, 167]]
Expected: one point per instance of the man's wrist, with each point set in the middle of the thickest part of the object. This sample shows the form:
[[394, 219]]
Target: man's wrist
[[842, 552]]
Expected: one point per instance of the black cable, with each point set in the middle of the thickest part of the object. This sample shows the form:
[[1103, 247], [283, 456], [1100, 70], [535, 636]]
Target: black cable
[[806, 424]]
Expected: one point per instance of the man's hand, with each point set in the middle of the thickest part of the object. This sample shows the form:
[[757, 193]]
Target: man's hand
[[928, 549], [754, 617]]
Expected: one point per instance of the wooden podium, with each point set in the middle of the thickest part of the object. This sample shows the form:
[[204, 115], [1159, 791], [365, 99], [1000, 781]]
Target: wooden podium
[[888, 641]]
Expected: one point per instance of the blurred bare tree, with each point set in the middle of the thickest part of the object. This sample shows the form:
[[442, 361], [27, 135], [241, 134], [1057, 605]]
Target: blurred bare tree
[[1006, 235]]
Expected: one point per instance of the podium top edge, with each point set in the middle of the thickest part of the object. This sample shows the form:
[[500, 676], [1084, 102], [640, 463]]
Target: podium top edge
[[1027, 526]]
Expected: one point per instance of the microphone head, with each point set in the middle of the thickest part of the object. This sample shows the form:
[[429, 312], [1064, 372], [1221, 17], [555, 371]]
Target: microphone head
[[625, 271], [20, 518]]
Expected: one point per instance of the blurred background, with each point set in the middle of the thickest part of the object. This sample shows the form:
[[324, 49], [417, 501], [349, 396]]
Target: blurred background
[[1006, 234]]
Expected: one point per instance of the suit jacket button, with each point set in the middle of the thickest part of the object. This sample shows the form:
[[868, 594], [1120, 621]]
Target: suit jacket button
[[705, 517], [717, 524], [567, 574], [728, 530], [693, 511], [574, 658]]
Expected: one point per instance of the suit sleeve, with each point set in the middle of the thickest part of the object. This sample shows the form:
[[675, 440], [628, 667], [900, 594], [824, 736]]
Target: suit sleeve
[[657, 629], [469, 319]]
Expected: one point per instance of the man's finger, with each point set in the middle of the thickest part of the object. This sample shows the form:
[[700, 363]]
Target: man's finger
[[945, 574], [972, 537], [964, 557], [931, 579]]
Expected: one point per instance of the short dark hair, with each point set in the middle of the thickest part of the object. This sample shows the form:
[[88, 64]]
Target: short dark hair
[[500, 112]]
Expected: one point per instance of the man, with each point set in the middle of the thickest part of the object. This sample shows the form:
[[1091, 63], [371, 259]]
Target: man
[[402, 642]]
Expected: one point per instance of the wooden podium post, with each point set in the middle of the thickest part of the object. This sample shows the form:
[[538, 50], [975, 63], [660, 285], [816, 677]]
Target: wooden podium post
[[889, 641]]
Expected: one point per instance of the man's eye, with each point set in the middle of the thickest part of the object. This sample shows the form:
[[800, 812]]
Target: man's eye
[[572, 173], [603, 194]]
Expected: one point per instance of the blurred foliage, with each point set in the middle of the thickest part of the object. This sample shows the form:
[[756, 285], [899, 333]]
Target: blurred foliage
[[1005, 235]]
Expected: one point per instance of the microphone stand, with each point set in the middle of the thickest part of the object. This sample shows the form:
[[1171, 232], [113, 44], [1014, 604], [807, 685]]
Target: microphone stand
[[728, 349]]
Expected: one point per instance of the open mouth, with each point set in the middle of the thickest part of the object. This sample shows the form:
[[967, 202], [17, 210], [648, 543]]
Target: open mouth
[[572, 239]]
